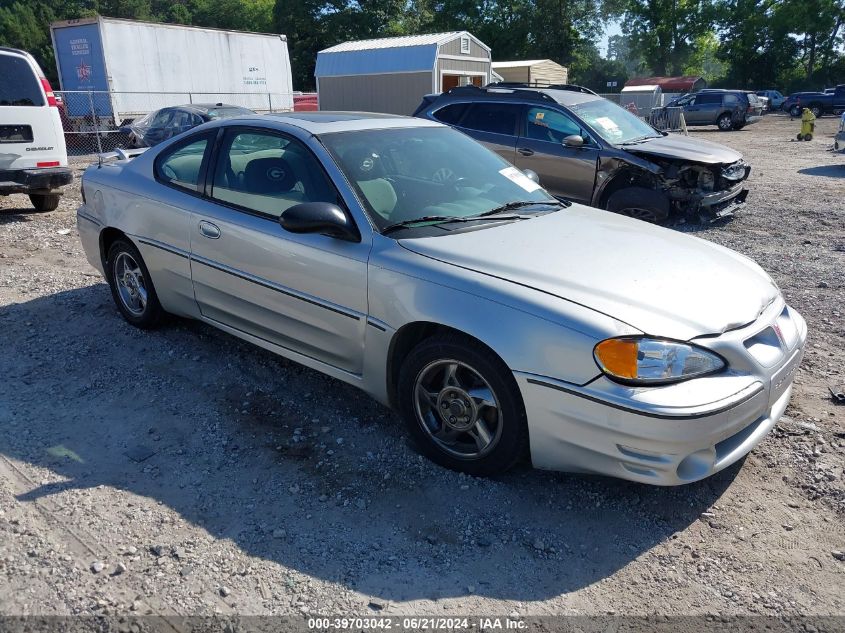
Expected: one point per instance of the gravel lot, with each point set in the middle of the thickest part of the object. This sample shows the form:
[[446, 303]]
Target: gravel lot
[[185, 472]]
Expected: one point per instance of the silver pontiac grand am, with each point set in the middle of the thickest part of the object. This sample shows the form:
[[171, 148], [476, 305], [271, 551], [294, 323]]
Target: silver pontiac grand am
[[401, 256]]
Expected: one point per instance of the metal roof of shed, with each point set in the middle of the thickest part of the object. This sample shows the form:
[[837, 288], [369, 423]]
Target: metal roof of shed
[[393, 42], [407, 53]]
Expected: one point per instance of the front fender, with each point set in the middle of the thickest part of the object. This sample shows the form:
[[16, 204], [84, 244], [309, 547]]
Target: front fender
[[615, 164], [531, 331]]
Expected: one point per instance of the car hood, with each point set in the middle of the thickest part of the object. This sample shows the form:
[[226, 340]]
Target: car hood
[[659, 281], [685, 148]]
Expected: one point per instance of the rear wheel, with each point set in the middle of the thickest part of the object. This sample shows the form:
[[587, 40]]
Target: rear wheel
[[640, 203], [462, 406], [131, 286], [725, 122], [795, 111], [816, 110], [45, 201]]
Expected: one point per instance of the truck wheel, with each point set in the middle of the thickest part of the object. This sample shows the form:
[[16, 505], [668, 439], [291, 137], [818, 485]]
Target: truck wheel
[[131, 286], [795, 111], [45, 201], [640, 203], [725, 122], [816, 110], [462, 406]]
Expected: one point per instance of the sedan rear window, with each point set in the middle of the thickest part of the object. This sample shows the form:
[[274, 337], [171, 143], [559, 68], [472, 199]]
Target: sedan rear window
[[18, 84]]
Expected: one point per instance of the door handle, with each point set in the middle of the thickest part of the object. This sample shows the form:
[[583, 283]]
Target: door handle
[[211, 231], [525, 151]]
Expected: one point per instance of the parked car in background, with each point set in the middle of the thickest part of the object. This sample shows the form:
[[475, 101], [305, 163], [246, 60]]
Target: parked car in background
[[775, 98], [727, 109], [839, 141], [33, 157], [819, 103], [764, 101], [500, 322], [588, 149], [160, 125]]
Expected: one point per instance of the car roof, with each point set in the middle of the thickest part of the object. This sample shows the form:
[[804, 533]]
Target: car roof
[[326, 122], [566, 97]]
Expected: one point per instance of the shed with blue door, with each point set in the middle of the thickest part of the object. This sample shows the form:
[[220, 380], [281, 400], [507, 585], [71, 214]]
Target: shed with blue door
[[392, 74]]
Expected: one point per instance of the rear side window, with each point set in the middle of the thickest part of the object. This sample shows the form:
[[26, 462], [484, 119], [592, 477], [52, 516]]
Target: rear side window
[[498, 118], [451, 114], [182, 165], [18, 84], [705, 98], [731, 100]]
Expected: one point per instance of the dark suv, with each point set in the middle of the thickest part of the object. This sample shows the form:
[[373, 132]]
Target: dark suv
[[588, 149], [729, 109]]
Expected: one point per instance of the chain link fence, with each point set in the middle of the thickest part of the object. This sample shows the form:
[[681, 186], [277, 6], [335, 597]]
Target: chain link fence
[[96, 122]]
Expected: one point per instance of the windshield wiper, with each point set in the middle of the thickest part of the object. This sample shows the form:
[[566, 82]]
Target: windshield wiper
[[486, 216], [447, 219], [639, 139], [511, 206]]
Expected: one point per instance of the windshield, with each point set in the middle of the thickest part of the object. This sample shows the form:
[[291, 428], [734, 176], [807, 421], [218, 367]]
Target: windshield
[[409, 173], [614, 124]]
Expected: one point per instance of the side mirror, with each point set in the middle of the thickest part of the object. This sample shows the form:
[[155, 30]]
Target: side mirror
[[531, 175], [573, 140], [320, 217]]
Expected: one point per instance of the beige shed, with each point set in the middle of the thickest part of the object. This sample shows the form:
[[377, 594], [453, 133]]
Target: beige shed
[[543, 72]]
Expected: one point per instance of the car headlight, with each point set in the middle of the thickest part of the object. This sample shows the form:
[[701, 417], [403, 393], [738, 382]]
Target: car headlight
[[649, 361]]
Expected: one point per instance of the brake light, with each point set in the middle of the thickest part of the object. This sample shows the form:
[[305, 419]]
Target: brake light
[[49, 163], [51, 98]]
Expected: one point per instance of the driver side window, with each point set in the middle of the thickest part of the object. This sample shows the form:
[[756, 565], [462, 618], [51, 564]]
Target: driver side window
[[543, 124], [268, 173]]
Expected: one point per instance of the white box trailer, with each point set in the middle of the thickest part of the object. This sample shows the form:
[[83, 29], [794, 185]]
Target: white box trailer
[[123, 68]]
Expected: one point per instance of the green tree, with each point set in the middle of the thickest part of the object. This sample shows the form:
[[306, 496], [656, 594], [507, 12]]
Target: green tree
[[664, 31]]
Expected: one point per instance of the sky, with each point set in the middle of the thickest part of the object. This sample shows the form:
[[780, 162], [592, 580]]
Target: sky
[[613, 28]]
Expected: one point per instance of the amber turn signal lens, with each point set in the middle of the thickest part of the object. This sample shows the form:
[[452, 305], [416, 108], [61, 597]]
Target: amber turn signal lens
[[618, 356]]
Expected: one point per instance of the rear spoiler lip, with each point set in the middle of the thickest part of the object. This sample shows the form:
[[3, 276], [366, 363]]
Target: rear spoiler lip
[[120, 154]]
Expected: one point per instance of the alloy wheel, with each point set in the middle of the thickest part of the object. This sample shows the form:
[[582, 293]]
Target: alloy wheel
[[457, 408], [131, 286]]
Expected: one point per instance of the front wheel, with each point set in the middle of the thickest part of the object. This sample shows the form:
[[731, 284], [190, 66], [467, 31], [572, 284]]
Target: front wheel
[[131, 286], [45, 201], [640, 203], [725, 122], [462, 406]]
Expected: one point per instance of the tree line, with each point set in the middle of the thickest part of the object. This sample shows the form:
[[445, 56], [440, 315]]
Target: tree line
[[784, 44]]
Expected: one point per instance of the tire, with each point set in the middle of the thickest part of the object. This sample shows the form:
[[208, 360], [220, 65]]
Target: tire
[[738, 126], [817, 111], [45, 201], [725, 122], [444, 415], [141, 309], [808, 137], [640, 203], [795, 111]]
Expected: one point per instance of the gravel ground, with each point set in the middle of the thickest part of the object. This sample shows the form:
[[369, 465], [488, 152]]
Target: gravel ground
[[185, 472]]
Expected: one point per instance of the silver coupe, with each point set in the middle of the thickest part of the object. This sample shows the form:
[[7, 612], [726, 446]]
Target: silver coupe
[[403, 257]]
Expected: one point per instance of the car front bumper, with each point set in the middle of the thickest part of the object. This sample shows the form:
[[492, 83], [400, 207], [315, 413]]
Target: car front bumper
[[666, 436], [34, 180]]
